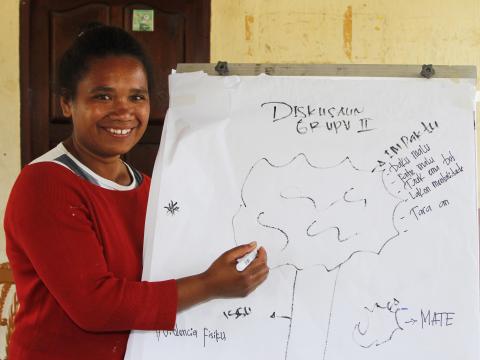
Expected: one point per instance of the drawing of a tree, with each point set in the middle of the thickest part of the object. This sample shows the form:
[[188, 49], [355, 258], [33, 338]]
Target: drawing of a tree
[[307, 216]]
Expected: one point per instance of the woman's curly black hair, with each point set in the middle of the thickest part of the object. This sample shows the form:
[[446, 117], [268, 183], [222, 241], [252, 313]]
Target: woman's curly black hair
[[97, 41]]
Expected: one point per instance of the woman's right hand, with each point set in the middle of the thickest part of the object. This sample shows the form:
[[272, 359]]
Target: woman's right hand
[[222, 279]]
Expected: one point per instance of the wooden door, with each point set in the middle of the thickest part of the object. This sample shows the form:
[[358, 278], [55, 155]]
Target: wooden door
[[181, 34]]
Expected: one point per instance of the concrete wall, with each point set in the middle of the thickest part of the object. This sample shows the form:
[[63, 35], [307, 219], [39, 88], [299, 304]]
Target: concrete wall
[[9, 105], [339, 31]]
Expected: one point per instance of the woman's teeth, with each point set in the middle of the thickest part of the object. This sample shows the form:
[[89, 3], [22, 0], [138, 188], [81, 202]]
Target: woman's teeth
[[119, 131]]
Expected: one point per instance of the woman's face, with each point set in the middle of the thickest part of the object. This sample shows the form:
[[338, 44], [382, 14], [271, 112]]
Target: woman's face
[[111, 108]]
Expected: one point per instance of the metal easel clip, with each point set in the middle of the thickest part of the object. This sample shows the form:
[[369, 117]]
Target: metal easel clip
[[222, 68], [427, 71]]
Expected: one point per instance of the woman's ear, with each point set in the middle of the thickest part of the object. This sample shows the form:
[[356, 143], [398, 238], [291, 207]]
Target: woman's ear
[[66, 105]]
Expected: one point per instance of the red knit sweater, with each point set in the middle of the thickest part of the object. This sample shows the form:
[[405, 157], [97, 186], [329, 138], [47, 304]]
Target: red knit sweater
[[76, 253]]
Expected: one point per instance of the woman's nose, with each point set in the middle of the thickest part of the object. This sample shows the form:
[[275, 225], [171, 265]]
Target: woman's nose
[[123, 109]]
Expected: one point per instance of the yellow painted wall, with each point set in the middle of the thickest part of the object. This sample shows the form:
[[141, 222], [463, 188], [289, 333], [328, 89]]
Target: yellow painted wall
[[445, 32], [9, 105], [339, 31]]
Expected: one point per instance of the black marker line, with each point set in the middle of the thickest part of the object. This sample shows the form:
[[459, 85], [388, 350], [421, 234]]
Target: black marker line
[[291, 314], [386, 307], [353, 201], [274, 316], [264, 159], [287, 264], [390, 338], [299, 197], [368, 251], [332, 203], [357, 328], [330, 314], [384, 174], [327, 229], [274, 228]]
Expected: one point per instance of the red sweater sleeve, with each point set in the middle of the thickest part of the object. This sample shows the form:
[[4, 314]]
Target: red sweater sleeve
[[52, 230]]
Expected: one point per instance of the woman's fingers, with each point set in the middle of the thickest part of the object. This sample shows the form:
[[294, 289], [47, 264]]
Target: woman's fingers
[[239, 251], [257, 271], [260, 261]]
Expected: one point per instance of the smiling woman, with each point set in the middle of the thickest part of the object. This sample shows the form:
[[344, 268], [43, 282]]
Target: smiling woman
[[74, 220], [109, 113], [105, 81]]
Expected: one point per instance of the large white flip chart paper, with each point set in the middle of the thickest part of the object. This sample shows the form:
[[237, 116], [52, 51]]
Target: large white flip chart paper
[[362, 191]]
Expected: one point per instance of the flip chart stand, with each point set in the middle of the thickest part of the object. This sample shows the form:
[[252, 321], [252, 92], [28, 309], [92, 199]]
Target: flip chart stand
[[223, 68], [427, 71]]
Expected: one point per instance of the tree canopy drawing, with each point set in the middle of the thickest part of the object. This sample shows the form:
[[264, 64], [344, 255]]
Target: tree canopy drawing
[[303, 223]]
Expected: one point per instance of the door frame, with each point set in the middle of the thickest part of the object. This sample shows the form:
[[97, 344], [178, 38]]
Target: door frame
[[25, 102]]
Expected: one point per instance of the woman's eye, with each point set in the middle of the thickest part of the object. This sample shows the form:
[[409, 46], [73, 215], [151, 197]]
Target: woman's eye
[[138, 97], [102, 97]]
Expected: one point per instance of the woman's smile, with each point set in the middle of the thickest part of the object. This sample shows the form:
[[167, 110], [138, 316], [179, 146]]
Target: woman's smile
[[110, 109], [119, 132]]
